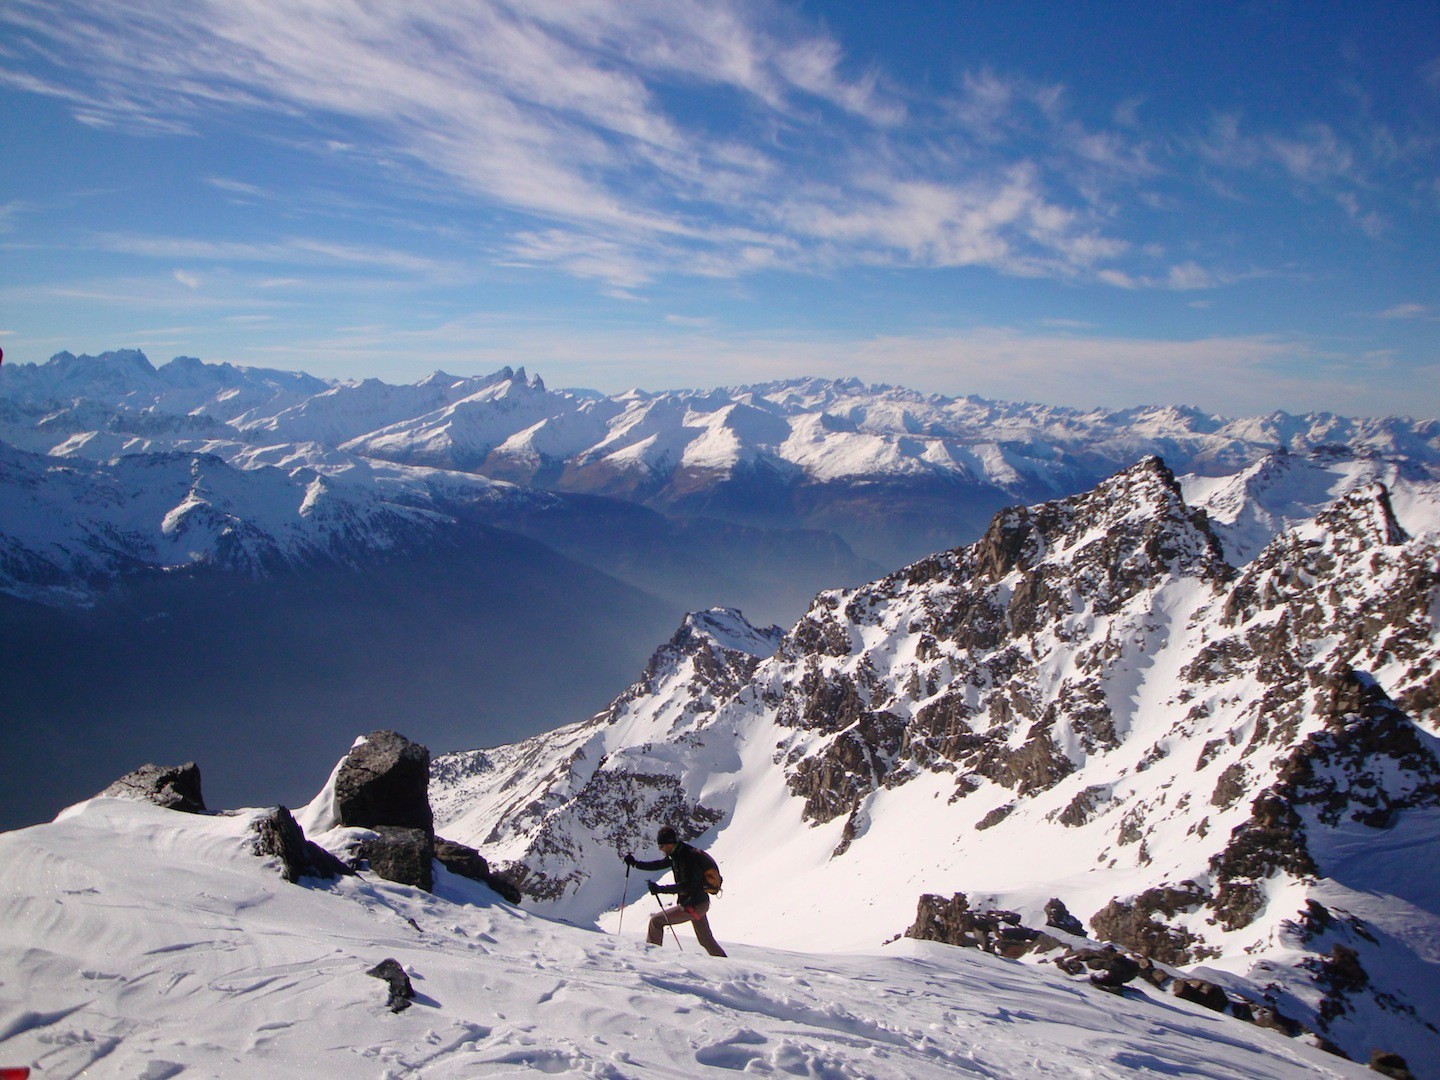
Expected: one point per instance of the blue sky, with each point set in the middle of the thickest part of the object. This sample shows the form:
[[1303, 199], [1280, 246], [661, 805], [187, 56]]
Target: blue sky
[[1228, 205]]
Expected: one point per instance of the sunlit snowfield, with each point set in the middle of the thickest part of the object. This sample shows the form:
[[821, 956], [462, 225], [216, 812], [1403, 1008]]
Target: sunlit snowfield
[[139, 942]]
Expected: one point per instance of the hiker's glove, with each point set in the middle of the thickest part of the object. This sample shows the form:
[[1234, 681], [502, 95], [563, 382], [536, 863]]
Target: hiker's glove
[[629, 859], [654, 889]]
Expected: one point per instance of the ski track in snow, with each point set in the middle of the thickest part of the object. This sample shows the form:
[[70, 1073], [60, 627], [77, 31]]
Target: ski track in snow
[[138, 942]]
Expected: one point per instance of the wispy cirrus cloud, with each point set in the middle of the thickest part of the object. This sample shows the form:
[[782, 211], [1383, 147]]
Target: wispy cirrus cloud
[[579, 116], [625, 140], [1343, 166], [1407, 311], [290, 251]]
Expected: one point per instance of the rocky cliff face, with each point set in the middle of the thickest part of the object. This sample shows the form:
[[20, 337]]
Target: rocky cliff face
[[992, 662], [1090, 703]]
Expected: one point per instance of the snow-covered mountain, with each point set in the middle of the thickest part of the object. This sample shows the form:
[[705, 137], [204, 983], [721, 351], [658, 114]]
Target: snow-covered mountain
[[1281, 490], [73, 525], [1229, 767], [136, 941], [892, 472]]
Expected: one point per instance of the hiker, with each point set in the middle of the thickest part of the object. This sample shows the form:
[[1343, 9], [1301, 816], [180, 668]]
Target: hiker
[[689, 865]]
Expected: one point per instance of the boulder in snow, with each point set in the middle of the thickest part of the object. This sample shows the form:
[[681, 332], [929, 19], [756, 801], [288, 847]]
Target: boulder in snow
[[401, 991], [175, 787], [277, 833], [1058, 916], [467, 862], [401, 855], [1201, 992], [385, 780]]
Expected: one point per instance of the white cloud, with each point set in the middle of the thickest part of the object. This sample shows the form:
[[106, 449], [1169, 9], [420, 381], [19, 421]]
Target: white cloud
[[293, 250], [566, 111], [1316, 155], [1406, 311], [627, 140], [1190, 276]]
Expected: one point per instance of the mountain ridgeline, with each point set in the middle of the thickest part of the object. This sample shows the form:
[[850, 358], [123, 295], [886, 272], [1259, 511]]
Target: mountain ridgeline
[[1234, 767], [885, 473]]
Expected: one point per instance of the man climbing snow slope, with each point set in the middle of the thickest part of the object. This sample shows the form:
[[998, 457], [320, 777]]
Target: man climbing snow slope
[[689, 866]]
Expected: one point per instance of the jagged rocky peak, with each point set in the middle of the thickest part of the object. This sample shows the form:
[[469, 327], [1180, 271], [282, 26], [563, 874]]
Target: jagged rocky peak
[[1135, 524], [1349, 586], [1361, 520], [723, 632], [716, 651], [991, 661]]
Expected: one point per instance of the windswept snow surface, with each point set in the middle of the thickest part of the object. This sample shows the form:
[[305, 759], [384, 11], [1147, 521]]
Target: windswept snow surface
[[141, 942]]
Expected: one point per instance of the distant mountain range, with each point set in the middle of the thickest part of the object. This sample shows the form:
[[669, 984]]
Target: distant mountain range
[[893, 473]]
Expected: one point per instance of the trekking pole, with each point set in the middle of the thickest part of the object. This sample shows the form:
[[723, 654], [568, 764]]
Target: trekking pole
[[624, 897], [668, 923]]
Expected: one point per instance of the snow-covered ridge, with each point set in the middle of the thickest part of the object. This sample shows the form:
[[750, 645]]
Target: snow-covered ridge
[[531, 801], [141, 942], [70, 525], [1092, 703]]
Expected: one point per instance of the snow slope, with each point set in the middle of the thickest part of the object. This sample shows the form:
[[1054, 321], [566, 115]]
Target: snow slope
[[141, 942]]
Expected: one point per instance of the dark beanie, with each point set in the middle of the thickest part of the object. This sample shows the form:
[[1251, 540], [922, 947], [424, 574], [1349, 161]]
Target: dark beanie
[[666, 835]]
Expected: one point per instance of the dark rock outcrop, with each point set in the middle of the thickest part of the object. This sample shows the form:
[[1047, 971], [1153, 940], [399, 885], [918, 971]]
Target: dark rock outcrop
[[401, 992], [279, 834], [1201, 992], [385, 782], [954, 922], [175, 787], [1391, 1065], [1058, 916], [1268, 1016], [1135, 926], [469, 863], [1108, 968], [401, 855], [1115, 972]]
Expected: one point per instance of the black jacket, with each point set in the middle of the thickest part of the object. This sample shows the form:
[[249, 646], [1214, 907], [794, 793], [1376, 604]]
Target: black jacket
[[689, 867]]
